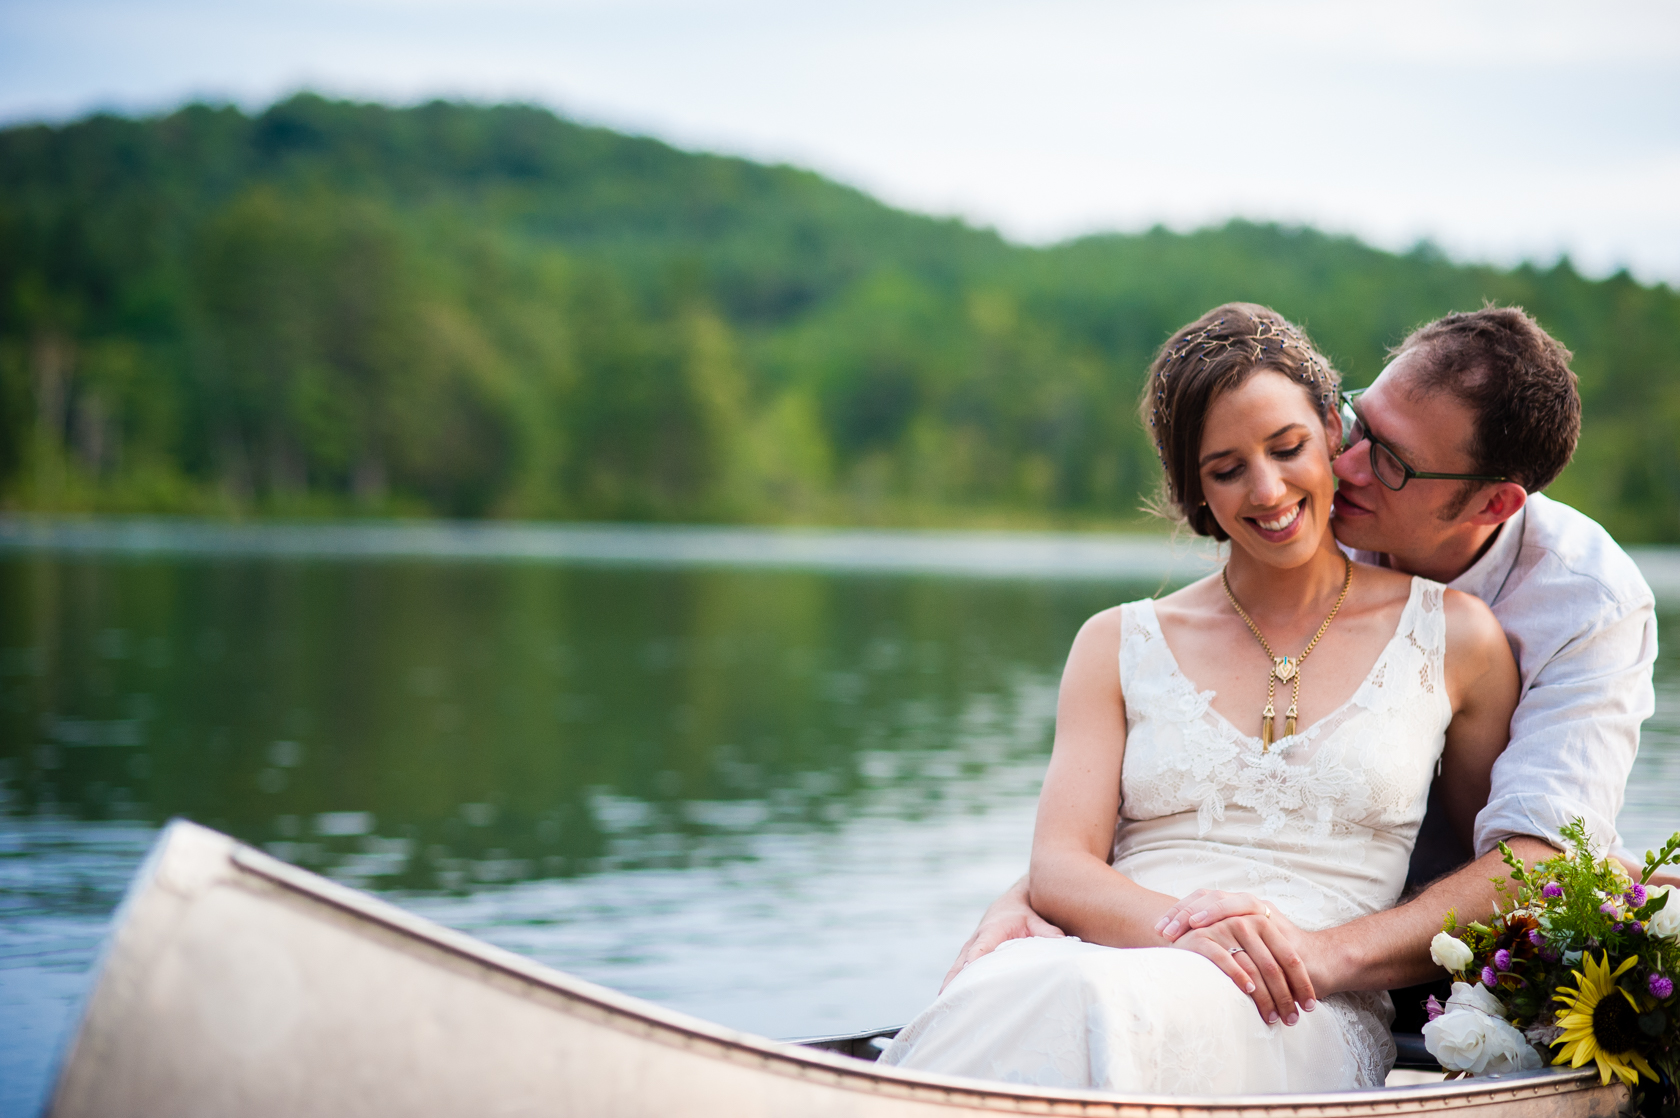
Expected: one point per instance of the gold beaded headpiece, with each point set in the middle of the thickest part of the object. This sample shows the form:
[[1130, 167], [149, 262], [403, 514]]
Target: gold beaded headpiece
[[1273, 341]]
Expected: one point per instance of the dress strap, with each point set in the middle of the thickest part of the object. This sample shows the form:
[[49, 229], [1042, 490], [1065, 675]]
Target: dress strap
[[1141, 642], [1424, 625], [1424, 619]]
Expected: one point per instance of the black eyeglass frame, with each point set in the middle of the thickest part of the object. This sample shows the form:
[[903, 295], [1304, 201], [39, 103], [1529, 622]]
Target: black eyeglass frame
[[1350, 416]]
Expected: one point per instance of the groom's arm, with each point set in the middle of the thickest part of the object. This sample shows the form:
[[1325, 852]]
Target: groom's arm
[[1390, 949]]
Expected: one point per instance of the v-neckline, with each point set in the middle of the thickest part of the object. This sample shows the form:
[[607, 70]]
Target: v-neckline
[[1184, 677]]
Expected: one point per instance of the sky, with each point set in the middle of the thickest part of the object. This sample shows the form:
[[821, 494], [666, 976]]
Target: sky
[[1499, 131]]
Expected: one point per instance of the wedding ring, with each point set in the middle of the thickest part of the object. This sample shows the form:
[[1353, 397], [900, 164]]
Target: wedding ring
[[1239, 951], [1268, 909]]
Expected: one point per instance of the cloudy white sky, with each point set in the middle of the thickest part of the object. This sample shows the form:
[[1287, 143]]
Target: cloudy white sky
[[1502, 131]]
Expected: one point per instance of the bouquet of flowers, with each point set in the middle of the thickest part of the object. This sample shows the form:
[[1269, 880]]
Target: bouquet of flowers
[[1578, 966]]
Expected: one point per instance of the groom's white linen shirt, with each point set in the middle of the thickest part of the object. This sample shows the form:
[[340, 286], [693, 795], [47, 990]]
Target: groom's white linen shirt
[[1582, 624]]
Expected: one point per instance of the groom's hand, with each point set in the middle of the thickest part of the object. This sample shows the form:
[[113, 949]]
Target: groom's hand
[[1258, 948], [1011, 916]]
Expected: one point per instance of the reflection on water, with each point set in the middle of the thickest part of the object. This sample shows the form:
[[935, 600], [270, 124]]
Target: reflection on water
[[421, 726], [776, 799]]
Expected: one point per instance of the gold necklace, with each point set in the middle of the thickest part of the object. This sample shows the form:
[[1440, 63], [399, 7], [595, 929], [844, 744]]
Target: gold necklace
[[1284, 667]]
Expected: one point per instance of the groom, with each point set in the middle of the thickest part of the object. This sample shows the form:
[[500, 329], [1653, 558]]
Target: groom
[[1446, 455]]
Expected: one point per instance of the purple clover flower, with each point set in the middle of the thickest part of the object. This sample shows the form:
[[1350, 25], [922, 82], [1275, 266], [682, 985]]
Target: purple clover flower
[[1434, 1008], [1536, 938], [1489, 978], [1636, 896], [1661, 986], [1608, 908], [1635, 926], [1502, 959], [1553, 890]]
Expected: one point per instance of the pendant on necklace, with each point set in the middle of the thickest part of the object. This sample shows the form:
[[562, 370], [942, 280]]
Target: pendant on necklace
[[1266, 729], [1284, 668]]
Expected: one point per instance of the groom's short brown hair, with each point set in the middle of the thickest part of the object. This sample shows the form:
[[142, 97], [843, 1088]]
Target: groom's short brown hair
[[1516, 380]]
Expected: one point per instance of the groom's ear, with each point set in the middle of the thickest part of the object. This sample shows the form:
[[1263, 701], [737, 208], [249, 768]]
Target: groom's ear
[[1500, 503]]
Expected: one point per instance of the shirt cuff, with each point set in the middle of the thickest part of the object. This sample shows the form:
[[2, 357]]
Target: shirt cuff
[[1541, 817]]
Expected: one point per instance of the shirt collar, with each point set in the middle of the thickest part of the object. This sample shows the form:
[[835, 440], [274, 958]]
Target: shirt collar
[[1486, 576]]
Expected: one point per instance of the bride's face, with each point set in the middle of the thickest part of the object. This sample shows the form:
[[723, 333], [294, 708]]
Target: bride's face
[[1265, 468]]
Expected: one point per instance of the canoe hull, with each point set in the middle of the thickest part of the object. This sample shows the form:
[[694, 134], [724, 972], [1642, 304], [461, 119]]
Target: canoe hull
[[234, 984]]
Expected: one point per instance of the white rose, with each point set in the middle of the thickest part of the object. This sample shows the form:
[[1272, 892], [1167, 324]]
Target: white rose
[[1667, 922], [1449, 952], [1473, 1035], [1475, 996]]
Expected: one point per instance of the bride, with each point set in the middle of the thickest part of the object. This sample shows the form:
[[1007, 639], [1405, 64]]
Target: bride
[[1271, 730]]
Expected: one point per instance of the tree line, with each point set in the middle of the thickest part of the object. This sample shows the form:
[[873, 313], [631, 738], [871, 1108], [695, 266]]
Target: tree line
[[330, 308]]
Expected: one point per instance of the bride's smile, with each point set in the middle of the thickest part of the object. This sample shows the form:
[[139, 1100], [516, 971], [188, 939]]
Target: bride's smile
[[1284, 525]]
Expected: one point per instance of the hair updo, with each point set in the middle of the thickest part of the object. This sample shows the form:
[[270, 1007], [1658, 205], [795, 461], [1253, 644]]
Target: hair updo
[[1214, 354]]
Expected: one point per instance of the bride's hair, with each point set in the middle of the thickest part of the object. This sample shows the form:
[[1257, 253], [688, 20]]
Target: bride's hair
[[1215, 354]]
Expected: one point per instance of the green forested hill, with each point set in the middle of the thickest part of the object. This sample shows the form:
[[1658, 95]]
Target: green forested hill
[[471, 311]]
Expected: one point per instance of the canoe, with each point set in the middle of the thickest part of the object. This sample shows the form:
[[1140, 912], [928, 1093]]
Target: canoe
[[233, 983]]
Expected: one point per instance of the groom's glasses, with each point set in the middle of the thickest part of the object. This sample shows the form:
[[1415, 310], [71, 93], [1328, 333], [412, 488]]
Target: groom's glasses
[[1389, 467]]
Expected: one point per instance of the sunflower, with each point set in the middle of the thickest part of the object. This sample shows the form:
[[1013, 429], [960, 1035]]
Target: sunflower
[[1599, 1025]]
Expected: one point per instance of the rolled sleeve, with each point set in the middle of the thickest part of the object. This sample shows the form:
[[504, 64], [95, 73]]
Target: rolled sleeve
[[1575, 734]]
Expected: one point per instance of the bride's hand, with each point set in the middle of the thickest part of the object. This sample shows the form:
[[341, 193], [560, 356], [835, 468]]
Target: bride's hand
[[1207, 906], [1256, 947]]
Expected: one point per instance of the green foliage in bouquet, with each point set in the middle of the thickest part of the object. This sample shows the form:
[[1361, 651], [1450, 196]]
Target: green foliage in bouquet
[[1584, 961]]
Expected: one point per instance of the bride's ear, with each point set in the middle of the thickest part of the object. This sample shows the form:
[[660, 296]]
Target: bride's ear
[[1333, 432]]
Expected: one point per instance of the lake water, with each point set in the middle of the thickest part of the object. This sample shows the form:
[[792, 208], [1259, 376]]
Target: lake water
[[767, 778]]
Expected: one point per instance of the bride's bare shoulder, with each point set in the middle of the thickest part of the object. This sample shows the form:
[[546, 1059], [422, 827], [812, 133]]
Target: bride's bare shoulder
[[1102, 626], [1202, 600]]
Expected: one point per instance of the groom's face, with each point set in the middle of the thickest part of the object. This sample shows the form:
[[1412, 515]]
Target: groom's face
[[1430, 431]]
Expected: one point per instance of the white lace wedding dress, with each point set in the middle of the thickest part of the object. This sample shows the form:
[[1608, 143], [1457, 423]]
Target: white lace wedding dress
[[1321, 827]]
